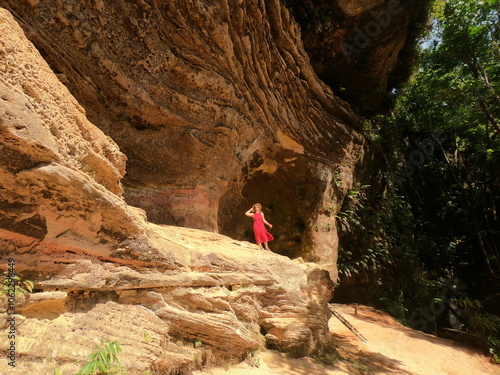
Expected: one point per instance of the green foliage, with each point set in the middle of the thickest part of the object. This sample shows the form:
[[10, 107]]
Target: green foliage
[[437, 213], [22, 286], [455, 92], [484, 327], [494, 350], [435, 216], [104, 360], [197, 344], [365, 250], [362, 368], [479, 322], [328, 357]]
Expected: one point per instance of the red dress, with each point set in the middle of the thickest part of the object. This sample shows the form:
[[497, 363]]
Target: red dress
[[259, 229]]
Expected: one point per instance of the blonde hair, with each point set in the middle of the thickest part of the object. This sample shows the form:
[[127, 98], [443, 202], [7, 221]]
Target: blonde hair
[[257, 204]]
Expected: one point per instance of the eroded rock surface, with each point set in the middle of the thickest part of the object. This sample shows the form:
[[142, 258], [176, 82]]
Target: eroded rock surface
[[174, 298], [363, 49], [215, 105]]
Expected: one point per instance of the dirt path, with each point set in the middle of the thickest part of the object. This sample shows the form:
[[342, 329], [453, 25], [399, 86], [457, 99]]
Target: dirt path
[[391, 349]]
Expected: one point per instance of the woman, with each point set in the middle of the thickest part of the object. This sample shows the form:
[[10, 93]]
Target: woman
[[262, 236]]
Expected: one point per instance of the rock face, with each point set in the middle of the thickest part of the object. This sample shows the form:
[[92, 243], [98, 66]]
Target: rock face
[[174, 298], [215, 105], [361, 48]]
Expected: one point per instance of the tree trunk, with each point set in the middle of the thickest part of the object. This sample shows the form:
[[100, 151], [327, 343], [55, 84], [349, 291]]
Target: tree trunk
[[487, 113], [476, 68], [477, 232]]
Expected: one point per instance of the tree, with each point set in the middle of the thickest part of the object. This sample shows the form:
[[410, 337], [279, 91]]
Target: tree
[[442, 146]]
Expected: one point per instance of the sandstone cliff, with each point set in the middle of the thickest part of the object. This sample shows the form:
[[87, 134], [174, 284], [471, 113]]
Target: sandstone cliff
[[363, 49], [101, 270], [215, 105], [118, 115]]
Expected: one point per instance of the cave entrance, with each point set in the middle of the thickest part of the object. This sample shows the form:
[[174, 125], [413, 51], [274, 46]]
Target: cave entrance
[[289, 199]]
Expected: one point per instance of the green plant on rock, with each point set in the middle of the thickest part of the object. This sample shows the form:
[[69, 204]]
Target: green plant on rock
[[328, 357], [197, 343], [104, 360], [17, 284], [147, 337], [252, 359], [328, 228], [362, 368]]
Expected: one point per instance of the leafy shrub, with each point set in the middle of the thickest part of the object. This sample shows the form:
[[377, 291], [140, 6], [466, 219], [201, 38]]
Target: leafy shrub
[[104, 360], [484, 327], [22, 286]]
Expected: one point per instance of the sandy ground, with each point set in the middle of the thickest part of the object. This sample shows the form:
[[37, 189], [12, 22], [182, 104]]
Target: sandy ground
[[390, 349]]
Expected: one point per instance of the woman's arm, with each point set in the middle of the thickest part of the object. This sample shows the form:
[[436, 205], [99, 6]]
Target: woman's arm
[[265, 221], [249, 212]]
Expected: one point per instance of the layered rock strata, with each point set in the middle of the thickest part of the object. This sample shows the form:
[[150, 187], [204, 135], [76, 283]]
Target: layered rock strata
[[173, 298], [215, 105], [363, 49]]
